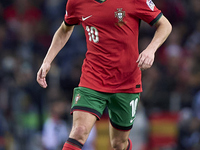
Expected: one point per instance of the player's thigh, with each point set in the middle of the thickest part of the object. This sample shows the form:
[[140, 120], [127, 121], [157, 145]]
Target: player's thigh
[[82, 125], [122, 110], [88, 100], [87, 106]]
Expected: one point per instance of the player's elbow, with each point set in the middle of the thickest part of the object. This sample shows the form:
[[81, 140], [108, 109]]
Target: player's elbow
[[169, 27], [164, 25]]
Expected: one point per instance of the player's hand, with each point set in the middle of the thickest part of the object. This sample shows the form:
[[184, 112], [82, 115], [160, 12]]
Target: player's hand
[[145, 59], [41, 75]]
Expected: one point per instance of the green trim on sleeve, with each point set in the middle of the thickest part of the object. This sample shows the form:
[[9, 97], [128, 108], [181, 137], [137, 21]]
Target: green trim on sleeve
[[156, 19], [69, 24]]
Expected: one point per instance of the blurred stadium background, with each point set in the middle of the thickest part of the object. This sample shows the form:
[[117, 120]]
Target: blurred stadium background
[[32, 118]]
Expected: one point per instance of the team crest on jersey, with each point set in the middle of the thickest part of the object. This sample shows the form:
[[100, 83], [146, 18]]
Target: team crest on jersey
[[150, 4], [77, 98], [119, 14]]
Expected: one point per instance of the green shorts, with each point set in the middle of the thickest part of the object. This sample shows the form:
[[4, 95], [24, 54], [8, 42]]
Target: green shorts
[[121, 106]]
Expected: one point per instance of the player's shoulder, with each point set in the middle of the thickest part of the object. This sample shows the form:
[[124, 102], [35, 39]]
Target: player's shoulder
[[147, 4], [142, 2]]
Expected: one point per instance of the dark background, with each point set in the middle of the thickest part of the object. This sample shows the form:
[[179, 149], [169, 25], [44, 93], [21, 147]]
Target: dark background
[[172, 85]]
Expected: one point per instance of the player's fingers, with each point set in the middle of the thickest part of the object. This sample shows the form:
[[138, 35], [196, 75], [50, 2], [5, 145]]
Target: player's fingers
[[41, 80], [44, 84], [39, 74], [147, 63], [150, 62], [141, 61], [138, 58], [144, 64]]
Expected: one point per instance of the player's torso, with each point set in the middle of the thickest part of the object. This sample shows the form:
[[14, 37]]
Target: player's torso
[[111, 31]]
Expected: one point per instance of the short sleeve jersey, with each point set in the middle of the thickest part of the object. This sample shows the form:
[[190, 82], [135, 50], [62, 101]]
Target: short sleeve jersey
[[111, 30]]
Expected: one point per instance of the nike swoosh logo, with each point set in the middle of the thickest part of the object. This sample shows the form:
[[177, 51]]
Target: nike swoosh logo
[[84, 18], [132, 120]]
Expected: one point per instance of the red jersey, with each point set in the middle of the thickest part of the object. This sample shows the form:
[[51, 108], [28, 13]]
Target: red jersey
[[111, 30]]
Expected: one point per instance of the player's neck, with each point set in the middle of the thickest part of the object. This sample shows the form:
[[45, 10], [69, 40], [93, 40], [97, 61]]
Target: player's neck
[[100, 1]]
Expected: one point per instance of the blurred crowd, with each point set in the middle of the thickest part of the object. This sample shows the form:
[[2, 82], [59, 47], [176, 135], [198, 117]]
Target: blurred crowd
[[32, 118]]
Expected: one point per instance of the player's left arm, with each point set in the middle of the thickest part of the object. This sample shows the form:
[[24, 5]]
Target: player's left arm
[[146, 57]]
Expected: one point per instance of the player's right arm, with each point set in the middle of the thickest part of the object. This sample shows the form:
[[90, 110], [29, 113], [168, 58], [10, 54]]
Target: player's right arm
[[60, 38]]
